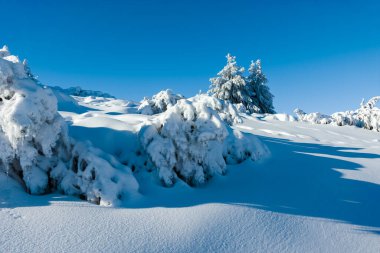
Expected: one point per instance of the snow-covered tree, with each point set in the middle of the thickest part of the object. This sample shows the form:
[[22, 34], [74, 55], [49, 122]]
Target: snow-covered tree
[[36, 150], [229, 85], [260, 98], [249, 94]]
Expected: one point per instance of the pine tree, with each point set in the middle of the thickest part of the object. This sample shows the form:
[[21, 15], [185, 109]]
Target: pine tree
[[258, 91], [230, 83]]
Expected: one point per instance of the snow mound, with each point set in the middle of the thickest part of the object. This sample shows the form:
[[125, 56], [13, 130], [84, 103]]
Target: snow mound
[[190, 141], [281, 117], [36, 149], [159, 102]]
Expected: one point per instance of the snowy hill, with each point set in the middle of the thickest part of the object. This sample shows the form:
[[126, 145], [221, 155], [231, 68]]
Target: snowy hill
[[187, 175], [317, 192]]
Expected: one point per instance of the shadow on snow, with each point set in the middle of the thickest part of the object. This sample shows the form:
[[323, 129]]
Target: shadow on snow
[[298, 179]]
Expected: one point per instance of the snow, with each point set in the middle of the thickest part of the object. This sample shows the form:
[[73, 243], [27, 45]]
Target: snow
[[258, 183], [367, 116], [37, 151], [249, 94], [159, 102], [79, 92], [190, 141], [316, 193]]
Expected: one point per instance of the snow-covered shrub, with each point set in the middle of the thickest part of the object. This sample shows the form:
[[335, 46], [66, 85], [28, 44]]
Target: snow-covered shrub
[[239, 146], [249, 94], [315, 117], [36, 148], [159, 102], [191, 142], [226, 110], [367, 116], [29, 123], [95, 176]]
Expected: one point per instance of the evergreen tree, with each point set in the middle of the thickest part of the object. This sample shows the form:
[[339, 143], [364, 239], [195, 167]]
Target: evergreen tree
[[257, 90], [229, 85]]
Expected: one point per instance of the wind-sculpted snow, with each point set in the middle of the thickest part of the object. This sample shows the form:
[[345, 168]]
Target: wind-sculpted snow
[[190, 141], [36, 148], [367, 116]]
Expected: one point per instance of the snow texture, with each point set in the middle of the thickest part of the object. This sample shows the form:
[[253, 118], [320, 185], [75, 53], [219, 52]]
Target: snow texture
[[318, 192]]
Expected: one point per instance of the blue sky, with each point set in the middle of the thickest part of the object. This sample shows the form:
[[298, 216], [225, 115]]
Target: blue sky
[[318, 55]]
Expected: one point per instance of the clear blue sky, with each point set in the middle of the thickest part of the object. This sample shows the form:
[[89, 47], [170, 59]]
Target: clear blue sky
[[318, 55]]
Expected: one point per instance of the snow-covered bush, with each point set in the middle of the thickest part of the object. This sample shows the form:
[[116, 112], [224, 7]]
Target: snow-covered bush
[[159, 102], [226, 110], [191, 142], [29, 123], [367, 116], [315, 117], [36, 148], [95, 176], [249, 94]]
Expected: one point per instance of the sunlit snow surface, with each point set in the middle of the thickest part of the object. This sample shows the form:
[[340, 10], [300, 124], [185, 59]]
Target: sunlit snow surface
[[319, 191]]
